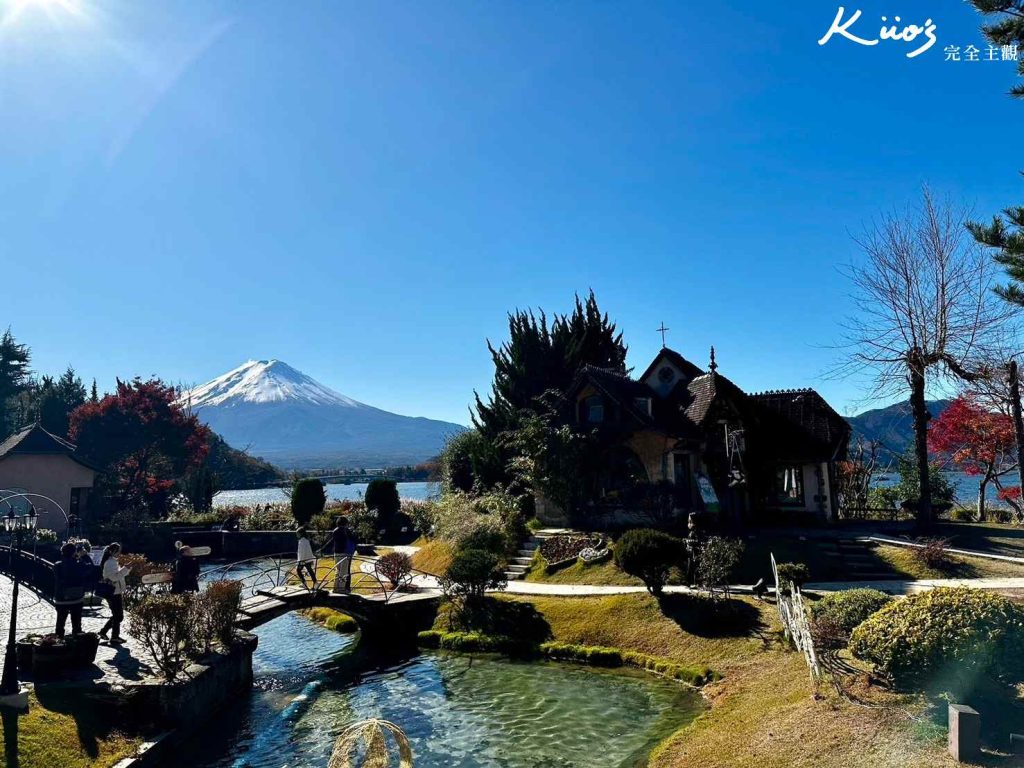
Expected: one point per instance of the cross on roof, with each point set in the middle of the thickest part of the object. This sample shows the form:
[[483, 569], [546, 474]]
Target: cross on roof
[[663, 330]]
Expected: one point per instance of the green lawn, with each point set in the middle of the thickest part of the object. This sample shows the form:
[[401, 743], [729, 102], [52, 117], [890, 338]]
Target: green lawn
[[62, 733], [905, 562], [763, 713]]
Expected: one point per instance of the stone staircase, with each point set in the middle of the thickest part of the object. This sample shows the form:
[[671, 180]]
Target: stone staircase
[[854, 561], [520, 564]]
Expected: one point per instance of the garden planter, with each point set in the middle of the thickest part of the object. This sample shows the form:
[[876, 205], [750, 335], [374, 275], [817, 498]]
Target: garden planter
[[25, 648], [51, 657]]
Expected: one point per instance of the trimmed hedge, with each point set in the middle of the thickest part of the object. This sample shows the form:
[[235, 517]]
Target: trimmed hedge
[[849, 608], [945, 636], [594, 655]]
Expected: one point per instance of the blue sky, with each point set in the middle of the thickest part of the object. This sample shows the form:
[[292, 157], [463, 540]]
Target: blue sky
[[364, 189]]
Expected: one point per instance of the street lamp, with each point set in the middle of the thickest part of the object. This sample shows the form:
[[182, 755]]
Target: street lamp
[[17, 526]]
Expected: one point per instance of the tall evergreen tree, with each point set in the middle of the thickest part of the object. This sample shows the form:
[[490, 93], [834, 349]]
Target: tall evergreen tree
[[57, 399], [94, 394], [14, 380], [1006, 30], [539, 356]]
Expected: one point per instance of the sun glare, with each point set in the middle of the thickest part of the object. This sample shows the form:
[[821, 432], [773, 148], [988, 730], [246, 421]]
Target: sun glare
[[12, 10]]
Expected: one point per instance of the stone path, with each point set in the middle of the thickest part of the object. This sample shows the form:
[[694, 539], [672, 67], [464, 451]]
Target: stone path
[[114, 664]]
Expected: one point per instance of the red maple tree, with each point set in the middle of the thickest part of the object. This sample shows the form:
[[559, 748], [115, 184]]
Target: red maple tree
[[143, 440], [979, 442]]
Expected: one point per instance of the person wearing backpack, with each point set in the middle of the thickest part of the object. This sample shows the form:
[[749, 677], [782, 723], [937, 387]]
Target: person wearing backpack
[[69, 590]]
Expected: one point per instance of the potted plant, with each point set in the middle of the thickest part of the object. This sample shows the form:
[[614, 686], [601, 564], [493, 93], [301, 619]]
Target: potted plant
[[51, 654]]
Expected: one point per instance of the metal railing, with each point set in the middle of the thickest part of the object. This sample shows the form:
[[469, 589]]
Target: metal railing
[[264, 574]]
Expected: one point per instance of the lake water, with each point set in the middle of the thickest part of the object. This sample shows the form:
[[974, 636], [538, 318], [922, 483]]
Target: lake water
[[335, 492], [966, 491], [458, 711]]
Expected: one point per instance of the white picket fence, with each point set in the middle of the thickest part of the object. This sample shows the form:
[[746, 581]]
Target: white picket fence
[[795, 622]]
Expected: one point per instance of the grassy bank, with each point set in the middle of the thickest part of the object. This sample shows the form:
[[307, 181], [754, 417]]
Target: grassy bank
[[762, 712], [905, 562], [61, 734]]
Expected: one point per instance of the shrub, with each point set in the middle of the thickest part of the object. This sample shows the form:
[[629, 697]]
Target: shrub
[[649, 555], [164, 624], [396, 567], [457, 517], [218, 607], [471, 573], [932, 553], [716, 561], [945, 636], [848, 609], [382, 496], [792, 574], [422, 515], [308, 499], [364, 524]]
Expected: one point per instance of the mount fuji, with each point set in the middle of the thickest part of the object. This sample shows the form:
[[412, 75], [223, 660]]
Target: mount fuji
[[274, 411]]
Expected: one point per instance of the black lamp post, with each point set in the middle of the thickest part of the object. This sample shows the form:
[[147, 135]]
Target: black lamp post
[[17, 526]]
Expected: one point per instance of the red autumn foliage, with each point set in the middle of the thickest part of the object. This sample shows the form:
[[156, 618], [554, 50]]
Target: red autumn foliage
[[975, 439], [143, 440]]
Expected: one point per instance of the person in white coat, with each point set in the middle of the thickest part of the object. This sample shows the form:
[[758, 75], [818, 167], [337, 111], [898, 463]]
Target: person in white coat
[[112, 581], [305, 557]]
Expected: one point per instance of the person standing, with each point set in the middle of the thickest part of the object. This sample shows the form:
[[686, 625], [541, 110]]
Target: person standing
[[305, 559], [345, 545], [112, 586], [186, 572], [69, 590]]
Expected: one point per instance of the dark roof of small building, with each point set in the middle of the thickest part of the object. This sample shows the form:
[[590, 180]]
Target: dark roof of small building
[[620, 387], [809, 411], [688, 369], [36, 441]]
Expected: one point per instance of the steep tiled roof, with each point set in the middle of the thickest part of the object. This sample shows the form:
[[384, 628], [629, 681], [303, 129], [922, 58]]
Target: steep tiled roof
[[688, 369], [36, 441], [809, 411], [620, 388], [704, 390]]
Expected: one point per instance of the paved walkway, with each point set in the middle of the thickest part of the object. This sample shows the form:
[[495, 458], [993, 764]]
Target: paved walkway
[[114, 664]]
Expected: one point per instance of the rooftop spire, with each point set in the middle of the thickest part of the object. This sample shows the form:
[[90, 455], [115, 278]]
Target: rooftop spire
[[663, 330], [712, 366]]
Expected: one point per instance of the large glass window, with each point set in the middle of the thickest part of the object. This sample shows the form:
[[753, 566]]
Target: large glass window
[[789, 485]]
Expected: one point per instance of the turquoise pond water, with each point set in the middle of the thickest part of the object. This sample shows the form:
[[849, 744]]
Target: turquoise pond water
[[458, 711]]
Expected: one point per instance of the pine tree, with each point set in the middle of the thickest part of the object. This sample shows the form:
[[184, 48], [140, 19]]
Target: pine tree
[[14, 380], [539, 357], [94, 394], [1007, 30]]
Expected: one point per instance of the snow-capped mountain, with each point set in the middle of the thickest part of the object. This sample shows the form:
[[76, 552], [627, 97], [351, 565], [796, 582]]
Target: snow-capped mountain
[[274, 411]]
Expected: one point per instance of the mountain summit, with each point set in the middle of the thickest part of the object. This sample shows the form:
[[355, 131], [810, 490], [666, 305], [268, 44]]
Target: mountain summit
[[266, 381], [279, 413]]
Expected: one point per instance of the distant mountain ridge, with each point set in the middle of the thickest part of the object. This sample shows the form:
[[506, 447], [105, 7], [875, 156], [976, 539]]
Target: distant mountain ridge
[[276, 412], [892, 426]]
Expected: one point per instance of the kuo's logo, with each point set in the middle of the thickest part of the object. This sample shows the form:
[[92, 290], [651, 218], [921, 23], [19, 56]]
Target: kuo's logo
[[908, 34]]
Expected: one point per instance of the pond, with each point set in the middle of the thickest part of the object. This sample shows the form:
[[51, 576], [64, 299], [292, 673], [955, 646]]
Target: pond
[[459, 711]]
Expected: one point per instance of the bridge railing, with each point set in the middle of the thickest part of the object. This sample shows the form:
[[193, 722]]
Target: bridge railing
[[263, 574], [32, 570]]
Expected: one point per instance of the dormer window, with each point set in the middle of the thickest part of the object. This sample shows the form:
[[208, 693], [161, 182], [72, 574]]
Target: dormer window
[[593, 407]]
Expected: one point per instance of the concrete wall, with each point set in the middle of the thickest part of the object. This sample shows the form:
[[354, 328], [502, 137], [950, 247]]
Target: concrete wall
[[49, 475]]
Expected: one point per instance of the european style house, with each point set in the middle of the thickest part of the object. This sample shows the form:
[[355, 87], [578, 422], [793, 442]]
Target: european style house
[[38, 462], [715, 446]]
